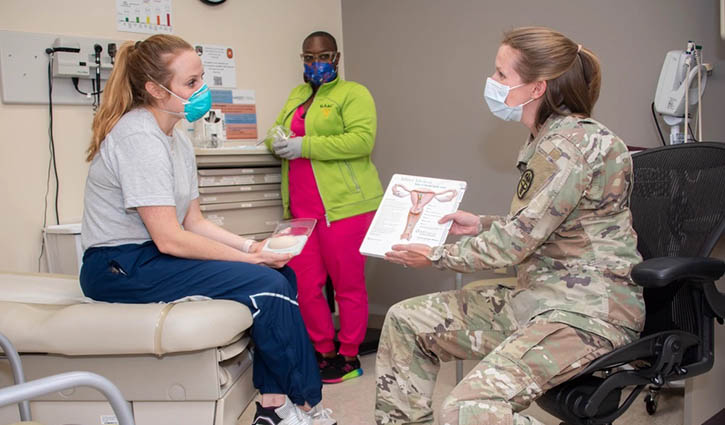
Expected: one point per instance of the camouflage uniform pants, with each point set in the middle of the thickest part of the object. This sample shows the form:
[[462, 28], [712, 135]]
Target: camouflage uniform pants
[[518, 362]]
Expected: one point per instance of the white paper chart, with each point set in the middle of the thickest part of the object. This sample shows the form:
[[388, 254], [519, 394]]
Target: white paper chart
[[220, 69], [144, 16], [409, 213]]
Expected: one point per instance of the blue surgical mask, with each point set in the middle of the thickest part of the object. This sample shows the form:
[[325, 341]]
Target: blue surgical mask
[[495, 94], [319, 73], [196, 106]]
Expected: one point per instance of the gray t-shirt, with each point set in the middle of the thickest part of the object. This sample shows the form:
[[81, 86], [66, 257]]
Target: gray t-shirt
[[137, 165]]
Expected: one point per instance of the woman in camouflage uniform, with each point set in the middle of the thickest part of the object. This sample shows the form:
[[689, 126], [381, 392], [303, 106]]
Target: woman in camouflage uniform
[[569, 234]]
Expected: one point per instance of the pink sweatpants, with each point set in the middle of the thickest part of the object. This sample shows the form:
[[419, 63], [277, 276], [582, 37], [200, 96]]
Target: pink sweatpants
[[334, 250]]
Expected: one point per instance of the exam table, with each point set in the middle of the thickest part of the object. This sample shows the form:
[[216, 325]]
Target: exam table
[[187, 362]]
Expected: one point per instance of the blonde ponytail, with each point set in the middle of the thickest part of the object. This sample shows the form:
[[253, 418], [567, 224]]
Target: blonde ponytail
[[117, 99], [572, 73], [136, 63]]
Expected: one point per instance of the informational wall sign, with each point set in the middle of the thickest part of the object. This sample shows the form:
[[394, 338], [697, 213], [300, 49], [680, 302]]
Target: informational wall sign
[[240, 112], [220, 69]]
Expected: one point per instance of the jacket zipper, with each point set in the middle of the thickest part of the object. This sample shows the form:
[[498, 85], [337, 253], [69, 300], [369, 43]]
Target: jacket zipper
[[314, 175], [327, 219]]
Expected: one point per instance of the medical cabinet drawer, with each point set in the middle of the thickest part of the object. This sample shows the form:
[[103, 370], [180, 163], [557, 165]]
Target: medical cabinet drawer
[[242, 156], [245, 217], [239, 176], [254, 192]]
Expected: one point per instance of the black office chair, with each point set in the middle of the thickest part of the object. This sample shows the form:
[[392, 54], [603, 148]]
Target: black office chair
[[678, 208]]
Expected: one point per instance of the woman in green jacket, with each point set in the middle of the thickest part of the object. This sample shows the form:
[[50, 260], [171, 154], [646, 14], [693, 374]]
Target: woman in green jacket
[[327, 174]]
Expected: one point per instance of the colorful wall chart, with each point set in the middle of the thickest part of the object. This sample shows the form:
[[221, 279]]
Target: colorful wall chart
[[144, 16], [240, 112]]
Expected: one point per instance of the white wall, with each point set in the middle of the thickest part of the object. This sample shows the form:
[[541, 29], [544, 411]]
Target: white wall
[[266, 35]]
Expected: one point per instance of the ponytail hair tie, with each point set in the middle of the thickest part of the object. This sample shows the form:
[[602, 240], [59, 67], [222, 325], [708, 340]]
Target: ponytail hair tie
[[579, 48], [137, 44]]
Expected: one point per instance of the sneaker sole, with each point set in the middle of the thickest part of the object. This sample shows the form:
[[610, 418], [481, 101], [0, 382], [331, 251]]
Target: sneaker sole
[[350, 375]]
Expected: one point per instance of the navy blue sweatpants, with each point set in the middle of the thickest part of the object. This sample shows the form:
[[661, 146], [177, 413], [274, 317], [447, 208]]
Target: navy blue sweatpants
[[284, 360]]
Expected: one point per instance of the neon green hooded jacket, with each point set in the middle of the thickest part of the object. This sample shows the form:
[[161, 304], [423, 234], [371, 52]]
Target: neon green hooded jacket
[[340, 127]]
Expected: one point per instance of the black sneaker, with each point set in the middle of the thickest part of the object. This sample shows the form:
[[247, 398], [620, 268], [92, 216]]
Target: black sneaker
[[338, 370], [266, 416], [322, 361]]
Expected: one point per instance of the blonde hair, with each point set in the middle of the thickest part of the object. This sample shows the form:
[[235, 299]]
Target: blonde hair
[[135, 64], [572, 73]]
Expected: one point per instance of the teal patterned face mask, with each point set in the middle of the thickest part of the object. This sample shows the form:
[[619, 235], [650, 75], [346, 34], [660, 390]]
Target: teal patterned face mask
[[196, 106]]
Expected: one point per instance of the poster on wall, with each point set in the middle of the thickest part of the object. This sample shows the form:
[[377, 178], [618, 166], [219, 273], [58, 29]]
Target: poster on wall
[[220, 69], [144, 16], [240, 112]]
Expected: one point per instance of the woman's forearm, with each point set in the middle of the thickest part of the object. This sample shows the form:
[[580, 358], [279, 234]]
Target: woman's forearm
[[188, 244], [210, 230], [197, 239]]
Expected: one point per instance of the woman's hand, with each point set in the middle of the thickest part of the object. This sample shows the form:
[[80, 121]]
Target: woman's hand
[[413, 255], [464, 223], [270, 259], [257, 246]]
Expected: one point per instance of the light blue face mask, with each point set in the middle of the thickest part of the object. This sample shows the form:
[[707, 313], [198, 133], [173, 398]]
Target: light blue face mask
[[196, 106], [495, 94]]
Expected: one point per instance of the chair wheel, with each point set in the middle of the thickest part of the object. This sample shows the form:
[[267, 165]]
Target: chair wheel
[[650, 404]]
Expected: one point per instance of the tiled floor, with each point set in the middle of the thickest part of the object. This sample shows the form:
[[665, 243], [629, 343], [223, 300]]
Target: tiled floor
[[352, 402]]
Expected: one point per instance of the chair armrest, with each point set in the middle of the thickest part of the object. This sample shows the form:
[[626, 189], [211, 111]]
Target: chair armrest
[[716, 301], [53, 383], [661, 271]]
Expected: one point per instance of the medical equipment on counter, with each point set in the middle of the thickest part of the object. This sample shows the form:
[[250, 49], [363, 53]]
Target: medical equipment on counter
[[209, 131], [681, 84]]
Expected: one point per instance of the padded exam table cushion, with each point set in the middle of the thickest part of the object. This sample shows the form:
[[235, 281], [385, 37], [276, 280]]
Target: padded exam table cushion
[[44, 313]]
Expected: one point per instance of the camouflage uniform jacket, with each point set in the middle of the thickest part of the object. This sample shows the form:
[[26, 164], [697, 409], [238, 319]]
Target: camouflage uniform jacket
[[569, 231]]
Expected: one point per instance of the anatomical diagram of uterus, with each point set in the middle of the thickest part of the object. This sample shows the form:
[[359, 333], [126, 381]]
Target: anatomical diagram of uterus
[[419, 198]]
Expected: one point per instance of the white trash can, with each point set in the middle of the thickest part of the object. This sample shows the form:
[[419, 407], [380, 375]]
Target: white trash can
[[63, 250]]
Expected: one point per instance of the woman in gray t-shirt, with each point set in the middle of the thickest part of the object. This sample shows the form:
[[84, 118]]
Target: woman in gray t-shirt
[[146, 240]]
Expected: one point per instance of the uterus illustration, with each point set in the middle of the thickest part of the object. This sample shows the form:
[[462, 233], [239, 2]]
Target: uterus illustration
[[419, 199]]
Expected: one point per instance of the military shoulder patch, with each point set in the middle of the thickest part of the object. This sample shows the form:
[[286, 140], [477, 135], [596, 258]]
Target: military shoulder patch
[[527, 178]]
